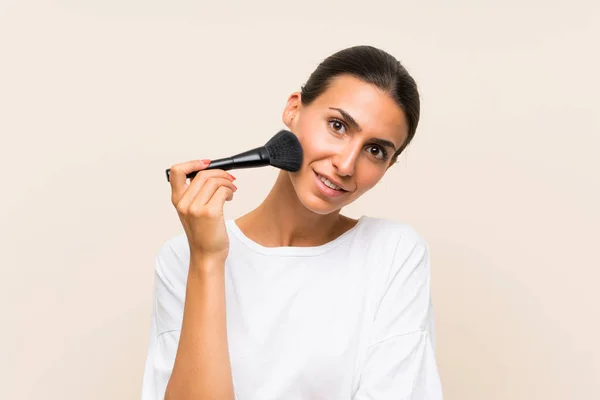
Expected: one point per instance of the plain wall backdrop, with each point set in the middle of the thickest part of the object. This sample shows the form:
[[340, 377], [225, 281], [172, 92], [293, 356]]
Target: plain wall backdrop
[[98, 98]]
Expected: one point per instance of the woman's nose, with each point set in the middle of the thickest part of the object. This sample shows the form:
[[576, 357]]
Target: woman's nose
[[345, 159]]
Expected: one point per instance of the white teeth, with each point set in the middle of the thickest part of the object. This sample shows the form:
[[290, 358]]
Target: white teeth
[[328, 183]]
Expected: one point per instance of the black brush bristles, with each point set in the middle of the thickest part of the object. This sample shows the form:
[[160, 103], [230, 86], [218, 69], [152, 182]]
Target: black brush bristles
[[285, 151]]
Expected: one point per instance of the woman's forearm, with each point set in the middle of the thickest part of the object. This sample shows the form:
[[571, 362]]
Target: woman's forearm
[[202, 369]]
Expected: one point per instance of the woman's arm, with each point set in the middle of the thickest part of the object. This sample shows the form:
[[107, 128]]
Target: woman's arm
[[202, 369]]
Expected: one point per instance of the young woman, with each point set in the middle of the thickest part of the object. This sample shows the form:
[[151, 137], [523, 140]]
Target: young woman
[[294, 300]]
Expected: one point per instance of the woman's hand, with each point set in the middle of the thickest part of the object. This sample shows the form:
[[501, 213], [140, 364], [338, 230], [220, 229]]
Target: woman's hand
[[200, 208]]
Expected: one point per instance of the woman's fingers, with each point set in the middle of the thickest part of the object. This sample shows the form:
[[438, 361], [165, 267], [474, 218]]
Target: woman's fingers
[[215, 204], [177, 178], [202, 178], [183, 197], [198, 184], [208, 190]]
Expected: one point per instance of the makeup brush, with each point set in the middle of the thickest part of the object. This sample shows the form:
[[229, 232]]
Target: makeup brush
[[282, 151]]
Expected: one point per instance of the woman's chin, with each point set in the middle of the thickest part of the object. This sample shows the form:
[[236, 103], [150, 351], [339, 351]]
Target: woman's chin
[[318, 205]]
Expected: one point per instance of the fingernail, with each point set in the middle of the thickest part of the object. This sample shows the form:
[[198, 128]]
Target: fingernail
[[233, 178], [205, 161], [235, 187]]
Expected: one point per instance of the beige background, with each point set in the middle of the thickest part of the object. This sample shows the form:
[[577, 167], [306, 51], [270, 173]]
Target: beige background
[[97, 98]]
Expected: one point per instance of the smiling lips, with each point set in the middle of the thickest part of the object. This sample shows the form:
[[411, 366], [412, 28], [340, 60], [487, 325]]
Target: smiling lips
[[327, 187]]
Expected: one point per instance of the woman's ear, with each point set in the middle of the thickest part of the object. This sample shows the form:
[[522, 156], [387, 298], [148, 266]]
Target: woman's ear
[[291, 109]]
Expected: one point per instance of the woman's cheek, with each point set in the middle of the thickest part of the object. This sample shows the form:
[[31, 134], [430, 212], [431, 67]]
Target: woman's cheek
[[327, 142], [313, 142], [370, 182]]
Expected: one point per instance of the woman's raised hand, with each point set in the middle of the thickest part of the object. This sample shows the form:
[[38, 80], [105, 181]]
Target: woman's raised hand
[[200, 207]]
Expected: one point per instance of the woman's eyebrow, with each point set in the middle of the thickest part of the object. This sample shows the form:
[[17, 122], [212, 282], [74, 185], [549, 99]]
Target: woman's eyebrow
[[357, 127], [384, 142], [348, 117]]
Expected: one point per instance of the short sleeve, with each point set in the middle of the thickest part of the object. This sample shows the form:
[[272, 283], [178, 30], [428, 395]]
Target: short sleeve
[[400, 361], [165, 322]]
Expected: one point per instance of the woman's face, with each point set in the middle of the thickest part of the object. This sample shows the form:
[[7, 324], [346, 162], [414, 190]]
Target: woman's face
[[348, 134]]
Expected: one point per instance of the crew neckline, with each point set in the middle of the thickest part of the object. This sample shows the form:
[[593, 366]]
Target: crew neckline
[[292, 250]]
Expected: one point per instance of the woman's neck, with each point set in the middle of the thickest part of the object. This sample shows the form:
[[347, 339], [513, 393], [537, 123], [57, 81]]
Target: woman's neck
[[282, 220]]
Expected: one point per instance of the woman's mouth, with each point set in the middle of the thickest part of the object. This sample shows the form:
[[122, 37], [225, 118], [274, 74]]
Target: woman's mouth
[[327, 188]]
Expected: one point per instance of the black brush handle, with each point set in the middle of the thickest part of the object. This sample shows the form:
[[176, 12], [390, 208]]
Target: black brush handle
[[258, 157]]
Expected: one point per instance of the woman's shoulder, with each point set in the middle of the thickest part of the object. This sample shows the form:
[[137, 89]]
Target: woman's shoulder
[[172, 260], [407, 253], [392, 230]]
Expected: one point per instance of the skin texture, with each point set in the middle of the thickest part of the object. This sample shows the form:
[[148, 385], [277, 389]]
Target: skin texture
[[295, 213]]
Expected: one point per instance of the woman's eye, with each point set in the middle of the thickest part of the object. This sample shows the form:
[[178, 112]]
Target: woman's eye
[[337, 126], [378, 153]]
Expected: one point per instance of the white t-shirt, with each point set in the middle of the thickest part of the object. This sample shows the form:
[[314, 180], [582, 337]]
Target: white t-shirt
[[350, 319]]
